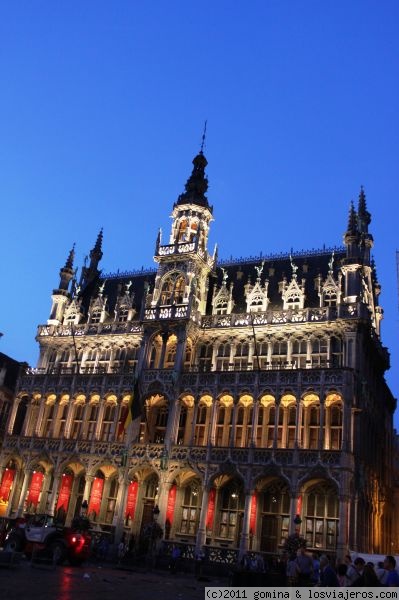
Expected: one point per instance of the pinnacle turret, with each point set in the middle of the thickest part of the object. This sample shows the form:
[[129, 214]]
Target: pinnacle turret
[[70, 259], [352, 221], [364, 217], [197, 184]]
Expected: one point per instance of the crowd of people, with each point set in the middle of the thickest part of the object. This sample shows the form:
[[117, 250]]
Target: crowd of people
[[305, 569]]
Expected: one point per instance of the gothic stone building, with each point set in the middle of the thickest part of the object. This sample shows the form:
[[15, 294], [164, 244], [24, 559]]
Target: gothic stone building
[[256, 388]]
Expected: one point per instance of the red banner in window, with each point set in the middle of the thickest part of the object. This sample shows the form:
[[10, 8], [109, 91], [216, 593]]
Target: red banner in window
[[252, 514], [131, 499], [170, 508], [96, 496], [211, 509], [65, 492], [35, 488], [299, 505], [6, 484]]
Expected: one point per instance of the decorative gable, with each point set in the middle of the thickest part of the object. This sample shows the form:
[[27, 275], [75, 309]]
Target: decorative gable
[[222, 301], [256, 295], [293, 294]]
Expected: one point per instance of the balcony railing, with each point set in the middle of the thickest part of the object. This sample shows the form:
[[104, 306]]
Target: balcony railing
[[196, 454], [279, 317], [90, 329]]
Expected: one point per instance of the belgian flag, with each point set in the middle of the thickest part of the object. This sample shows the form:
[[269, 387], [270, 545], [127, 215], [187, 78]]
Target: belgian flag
[[134, 408]]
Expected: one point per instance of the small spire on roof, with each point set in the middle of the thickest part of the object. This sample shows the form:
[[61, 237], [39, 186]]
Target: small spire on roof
[[70, 259], [203, 138]]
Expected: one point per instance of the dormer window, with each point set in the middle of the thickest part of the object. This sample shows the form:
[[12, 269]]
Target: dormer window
[[330, 298], [123, 314], [221, 308], [96, 316]]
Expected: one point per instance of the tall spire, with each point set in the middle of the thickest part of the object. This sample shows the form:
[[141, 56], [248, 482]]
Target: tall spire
[[363, 214], [70, 259], [352, 221], [197, 184], [96, 254]]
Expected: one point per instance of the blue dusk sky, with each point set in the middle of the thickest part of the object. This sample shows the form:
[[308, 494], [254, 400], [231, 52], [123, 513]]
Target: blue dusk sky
[[102, 108]]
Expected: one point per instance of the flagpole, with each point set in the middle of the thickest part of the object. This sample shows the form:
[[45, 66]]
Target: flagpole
[[255, 343], [74, 345]]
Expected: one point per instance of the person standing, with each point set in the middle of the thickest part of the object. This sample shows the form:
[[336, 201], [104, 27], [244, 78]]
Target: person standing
[[328, 577], [305, 567], [392, 579]]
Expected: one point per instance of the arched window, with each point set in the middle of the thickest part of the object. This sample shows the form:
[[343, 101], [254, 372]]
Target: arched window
[[223, 357], [319, 352], [231, 511], [200, 426], [279, 356], [241, 357], [62, 418], [205, 358], [77, 421], [107, 423], [173, 290], [20, 416], [92, 417], [299, 353], [335, 426], [321, 517], [191, 508], [95, 316], [274, 503]]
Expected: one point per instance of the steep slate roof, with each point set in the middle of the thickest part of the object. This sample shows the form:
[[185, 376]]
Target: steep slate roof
[[239, 271]]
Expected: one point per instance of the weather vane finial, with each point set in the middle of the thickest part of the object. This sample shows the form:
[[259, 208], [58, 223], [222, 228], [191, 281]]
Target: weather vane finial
[[204, 136]]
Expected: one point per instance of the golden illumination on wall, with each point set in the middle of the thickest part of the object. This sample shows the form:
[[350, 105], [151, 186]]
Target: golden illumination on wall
[[287, 399], [64, 399], [188, 401], [267, 400], [95, 399], [310, 399], [333, 398], [246, 400], [51, 398], [111, 399], [207, 400], [80, 399], [226, 401], [156, 399]]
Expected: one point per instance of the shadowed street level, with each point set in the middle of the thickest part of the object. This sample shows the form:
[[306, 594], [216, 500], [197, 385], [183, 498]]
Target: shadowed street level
[[67, 583]]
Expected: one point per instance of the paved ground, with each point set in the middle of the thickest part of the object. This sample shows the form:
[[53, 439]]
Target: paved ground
[[100, 583]]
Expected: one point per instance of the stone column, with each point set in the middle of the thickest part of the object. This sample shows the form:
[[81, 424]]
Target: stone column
[[343, 537], [212, 423], [13, 414], [234, 409], [322, 437], [163, 494], [298, 423], [194, 416], [293, 511], [100, 416], [172, 423], [24, 489], [276, 422], [119, 512], [72, 502], [87, 490], [44, 496], [244, 541], [255, 414], [165, 337], [54, 493], [69, 419], [39, 422], [201, 533]]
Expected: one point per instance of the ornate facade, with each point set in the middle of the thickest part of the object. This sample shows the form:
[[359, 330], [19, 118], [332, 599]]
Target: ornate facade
[[258, 384]]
